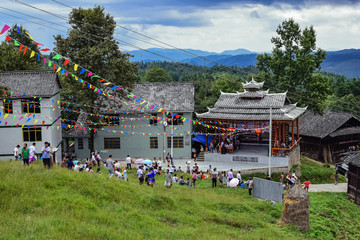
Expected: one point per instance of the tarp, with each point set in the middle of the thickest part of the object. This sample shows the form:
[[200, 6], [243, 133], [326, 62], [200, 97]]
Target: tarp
[[200, 138]]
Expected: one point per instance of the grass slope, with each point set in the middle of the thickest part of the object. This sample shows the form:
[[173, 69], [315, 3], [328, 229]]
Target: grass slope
[[37, 203]]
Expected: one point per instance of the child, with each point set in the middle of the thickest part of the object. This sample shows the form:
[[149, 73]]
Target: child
[[91, 170], [98, 171], [307, 184], [125, 174], [187, 182]]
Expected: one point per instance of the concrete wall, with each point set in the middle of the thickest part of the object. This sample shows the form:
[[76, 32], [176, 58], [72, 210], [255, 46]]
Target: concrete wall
[[138, 145], [294, 157], [10, 135]]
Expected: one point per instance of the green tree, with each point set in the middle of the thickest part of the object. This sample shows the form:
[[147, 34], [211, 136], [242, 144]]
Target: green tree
[[90, 43], [156, 74], [226, 83], [10, 59], [348, 103], [293, 64]]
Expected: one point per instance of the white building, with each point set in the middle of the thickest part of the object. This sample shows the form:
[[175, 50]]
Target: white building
[[29, 111]]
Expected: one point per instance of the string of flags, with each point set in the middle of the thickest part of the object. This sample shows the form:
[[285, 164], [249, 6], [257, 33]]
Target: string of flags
[[137, 99]]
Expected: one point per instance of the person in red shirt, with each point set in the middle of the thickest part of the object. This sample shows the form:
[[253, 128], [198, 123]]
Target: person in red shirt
[[307, 184]]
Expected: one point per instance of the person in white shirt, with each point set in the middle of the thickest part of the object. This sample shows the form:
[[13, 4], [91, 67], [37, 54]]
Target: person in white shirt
[[98, 159], [77, 167], [140, 175], [16, 152], [159, 164], [238, 176], [32, 152], [118, 174], [175, 178], [117, 164], [128, 162]]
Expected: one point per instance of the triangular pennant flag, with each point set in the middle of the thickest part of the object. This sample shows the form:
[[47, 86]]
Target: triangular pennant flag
[[21, 46], [66, 62], [4, 29], [16, 43], [44, 49], [25, 51], [7, 38], [75, 67], [82, 71], [57, 56], [32, 54]]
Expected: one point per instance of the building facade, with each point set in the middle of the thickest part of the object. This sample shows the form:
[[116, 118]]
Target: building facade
[[353, 190], [29, 111], [326, 136], [146, 133]]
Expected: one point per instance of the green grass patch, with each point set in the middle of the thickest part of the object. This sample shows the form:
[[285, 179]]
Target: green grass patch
[[37, 203]]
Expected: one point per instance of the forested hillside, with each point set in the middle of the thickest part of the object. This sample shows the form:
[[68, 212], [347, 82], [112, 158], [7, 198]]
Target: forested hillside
[[344, 95]]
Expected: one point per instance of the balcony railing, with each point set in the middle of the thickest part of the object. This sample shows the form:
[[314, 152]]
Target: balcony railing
[[285, 151]]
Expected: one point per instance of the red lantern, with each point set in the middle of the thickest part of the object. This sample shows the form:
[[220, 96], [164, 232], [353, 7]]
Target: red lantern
[[258, 131]]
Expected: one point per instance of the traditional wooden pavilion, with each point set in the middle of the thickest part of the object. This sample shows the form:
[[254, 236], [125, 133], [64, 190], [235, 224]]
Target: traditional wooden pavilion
[[250, 109]]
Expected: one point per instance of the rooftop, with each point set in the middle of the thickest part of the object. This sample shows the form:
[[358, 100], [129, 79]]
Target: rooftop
[[253, 105], [35, 83], [352, 157], [175, 97], [328, 124]]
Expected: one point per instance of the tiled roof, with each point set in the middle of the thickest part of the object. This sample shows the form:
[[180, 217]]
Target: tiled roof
[[175, 97], [352, 157], [316, 125], [253, 105], [253, 84], [35, 83], [345, 131]]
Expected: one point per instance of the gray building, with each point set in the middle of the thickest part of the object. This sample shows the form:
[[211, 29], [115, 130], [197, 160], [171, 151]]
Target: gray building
[[142, 134], [29, 111]]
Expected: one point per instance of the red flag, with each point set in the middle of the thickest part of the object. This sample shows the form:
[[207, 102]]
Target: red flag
[[8, 38], [43, 123], [25, 51], [45, 49], [21, 46], [66, 61], [38, 43]]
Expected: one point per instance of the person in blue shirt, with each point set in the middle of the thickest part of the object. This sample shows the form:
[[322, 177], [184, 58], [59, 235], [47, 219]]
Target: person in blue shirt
[[46, 154], [151, 177]]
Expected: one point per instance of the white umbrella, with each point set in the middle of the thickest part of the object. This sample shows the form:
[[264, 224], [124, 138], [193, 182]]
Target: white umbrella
[[234, 182]]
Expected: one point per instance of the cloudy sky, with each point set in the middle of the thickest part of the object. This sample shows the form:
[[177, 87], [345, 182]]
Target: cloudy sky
[[211, 25]]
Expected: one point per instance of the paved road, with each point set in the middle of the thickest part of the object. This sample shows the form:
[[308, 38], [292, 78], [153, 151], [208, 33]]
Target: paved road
[[341, 187]]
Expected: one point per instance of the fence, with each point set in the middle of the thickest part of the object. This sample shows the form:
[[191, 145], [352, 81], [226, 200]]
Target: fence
[[269, 190]]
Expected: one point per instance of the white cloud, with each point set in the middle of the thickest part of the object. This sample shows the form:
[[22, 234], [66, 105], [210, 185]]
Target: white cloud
[[336, 27]]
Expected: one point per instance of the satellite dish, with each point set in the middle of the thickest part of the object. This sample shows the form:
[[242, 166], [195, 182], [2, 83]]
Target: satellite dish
[[165, 123]]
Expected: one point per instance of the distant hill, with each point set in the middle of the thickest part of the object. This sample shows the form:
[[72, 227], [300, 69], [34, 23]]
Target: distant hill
[[345, 62]]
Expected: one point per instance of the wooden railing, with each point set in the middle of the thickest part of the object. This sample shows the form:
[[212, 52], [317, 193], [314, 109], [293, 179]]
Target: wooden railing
[[284, 151]]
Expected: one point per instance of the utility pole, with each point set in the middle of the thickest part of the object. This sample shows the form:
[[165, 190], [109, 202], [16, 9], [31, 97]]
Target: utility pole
[[172, 135], [270, 141], [164, 137]]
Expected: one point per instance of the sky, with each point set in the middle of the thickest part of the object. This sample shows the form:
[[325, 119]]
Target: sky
[[211, 25]]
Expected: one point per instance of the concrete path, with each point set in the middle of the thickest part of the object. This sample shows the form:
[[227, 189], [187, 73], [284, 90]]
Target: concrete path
[[341, 187]]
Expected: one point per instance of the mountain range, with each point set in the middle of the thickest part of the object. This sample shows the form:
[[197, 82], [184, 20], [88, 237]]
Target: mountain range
[[345, 62]]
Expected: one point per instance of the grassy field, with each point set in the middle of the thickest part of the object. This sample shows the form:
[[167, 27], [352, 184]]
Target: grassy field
[[36, 203]]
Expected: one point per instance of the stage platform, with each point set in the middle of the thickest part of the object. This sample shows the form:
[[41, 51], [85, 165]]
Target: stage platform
[[249, 158]]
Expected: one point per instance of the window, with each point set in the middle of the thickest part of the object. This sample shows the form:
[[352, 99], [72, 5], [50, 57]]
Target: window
[[112, 143], [153, 119], [8, 106], [31, 134], [177, 121], [31, 105], [153, 143], [113, 120], [178, 142], [90, 143], [80, 143]]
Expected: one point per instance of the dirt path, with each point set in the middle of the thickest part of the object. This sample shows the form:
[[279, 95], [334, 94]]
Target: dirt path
[[341, 187]]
